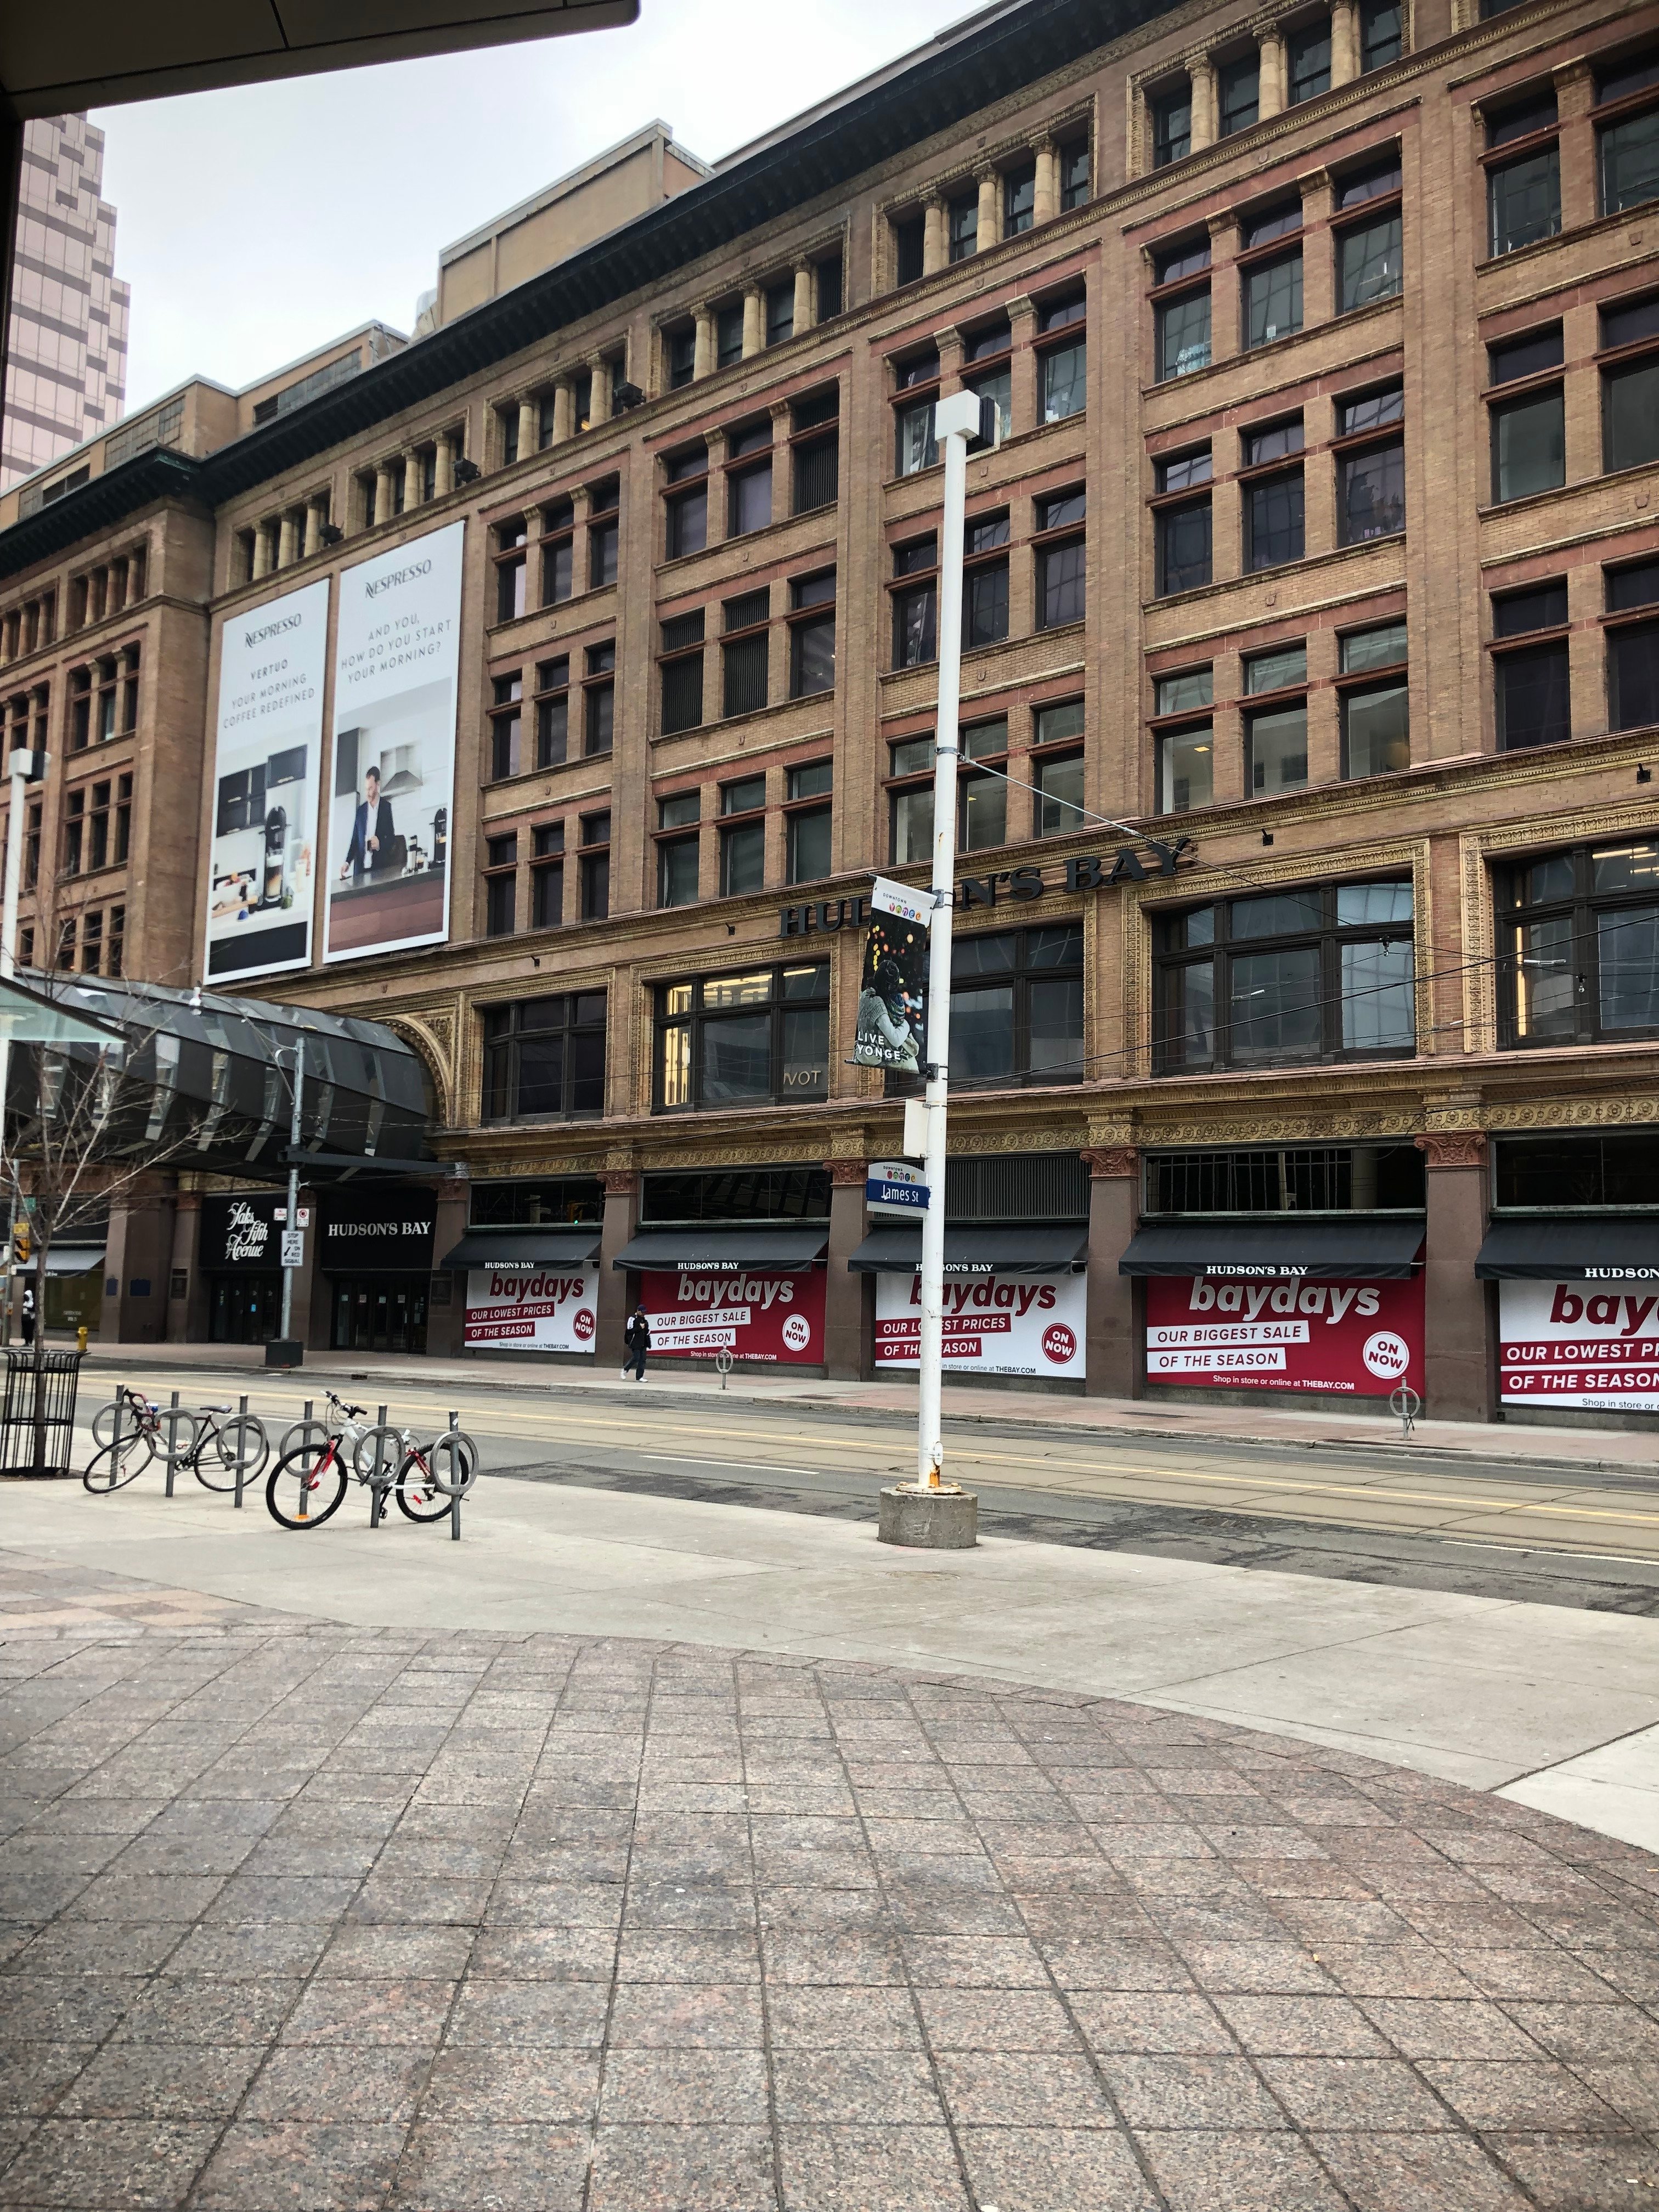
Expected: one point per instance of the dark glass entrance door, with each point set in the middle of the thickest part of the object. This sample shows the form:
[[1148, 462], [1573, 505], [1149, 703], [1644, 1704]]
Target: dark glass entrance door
[[245, 1309], [380, 1313]]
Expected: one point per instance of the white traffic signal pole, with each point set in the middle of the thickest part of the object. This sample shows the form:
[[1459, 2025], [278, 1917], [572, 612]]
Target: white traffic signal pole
[[955, 420], [22, 767]]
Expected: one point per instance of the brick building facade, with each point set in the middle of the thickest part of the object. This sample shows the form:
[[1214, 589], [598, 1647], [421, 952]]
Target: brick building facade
[[1312, 539]]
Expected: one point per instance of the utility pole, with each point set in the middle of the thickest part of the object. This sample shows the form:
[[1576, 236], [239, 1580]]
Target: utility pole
[[934, 1514], [23, 767], [296, 1053]]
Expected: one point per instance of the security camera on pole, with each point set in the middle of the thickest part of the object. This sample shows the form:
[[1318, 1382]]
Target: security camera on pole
[[933, 1514]]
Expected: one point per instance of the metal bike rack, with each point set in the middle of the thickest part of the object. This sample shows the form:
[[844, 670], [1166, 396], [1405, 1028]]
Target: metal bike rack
[[172, 1451], [1404, 1405], [723, 1362]]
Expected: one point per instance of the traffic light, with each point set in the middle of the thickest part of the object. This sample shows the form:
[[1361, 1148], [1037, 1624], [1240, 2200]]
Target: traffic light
[[21, 1243]]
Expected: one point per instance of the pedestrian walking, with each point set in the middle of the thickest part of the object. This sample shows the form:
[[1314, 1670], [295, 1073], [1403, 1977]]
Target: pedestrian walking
[[28, 1313], [636, 1342]]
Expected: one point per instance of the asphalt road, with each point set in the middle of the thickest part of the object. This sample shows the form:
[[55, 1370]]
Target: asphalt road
[[1377, 1514]]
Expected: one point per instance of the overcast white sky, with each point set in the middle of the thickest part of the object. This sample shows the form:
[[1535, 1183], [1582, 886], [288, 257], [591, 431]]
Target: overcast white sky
[[256, 224]]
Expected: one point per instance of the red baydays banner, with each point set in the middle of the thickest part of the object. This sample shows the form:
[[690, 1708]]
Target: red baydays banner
[[1366, 1338], [753, 1316]]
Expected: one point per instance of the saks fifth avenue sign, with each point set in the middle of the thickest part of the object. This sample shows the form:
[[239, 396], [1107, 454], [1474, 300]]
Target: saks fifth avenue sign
[[1081, 871]]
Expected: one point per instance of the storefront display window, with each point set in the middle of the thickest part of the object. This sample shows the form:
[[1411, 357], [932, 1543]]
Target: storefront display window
[[1579, 946], [1323, 973], [756, 1039], [1300, 1179]]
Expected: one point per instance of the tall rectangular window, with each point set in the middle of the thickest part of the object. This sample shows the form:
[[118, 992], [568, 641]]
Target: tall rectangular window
[[1578, 933], [812, 636], [909, 236], [1627, 143], [749, 494], [1273, 527], [677, 858], [510, 570], [547, 876], [744, 653], [603, 539], [680, 354], [916, 604], [1369, 264], [1016, 1006], [1019, 200], [1531, 679], [1075, 171], [552, 711], [599, 702], [1308, 60], [779, 312], [728, 335], [593, 867], [809, 852], [816, 449], [962, 228], [1064, 362], [1370, 493], [985, 579], [502, 885], [682, 673], [1276, 751], [1381, 39], [1183, 546], [1273, 299], [1172, 125], [685, 506], [917, 447], [505, 728], [558, 552], [1528, 445], [1524, 200], [1183, 335], [1633, 676], [1239, 87], [1630, 413], [543, 1059]]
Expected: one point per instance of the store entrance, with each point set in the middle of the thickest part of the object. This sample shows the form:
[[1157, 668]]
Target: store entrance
[[379, 1313], [245, 1309]]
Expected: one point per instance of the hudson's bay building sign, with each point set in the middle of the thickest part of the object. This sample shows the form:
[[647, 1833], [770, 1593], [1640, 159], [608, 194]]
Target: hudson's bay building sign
[[571, 676]]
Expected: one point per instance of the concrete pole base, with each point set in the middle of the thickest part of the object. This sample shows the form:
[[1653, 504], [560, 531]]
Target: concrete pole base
[[942, 1520]]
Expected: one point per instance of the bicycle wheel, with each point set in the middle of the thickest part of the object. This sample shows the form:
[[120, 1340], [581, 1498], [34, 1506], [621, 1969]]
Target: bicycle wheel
[[244, 1438], [117, 1464], [116, 1419], [419, 1497], [305, 1487]]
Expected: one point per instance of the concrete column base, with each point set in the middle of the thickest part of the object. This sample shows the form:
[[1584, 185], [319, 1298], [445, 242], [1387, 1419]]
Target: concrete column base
[[942, 1520]]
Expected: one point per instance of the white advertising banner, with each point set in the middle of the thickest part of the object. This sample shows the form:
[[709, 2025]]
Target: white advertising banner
[[1576, 1344], [994, 1324], [552, 1309], [393, 785], [268, 750]]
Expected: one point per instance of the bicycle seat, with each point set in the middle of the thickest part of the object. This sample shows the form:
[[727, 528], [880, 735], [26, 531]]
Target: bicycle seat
[[214, 1409]]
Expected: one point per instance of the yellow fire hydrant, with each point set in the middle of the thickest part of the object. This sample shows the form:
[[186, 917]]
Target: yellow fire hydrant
[[81, 1338]]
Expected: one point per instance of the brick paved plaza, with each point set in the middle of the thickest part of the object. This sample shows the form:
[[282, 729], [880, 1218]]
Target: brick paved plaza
[[306, 1917]]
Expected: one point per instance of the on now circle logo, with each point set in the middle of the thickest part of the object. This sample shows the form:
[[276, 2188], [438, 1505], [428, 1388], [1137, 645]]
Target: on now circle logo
[[1058, 1344], [581, 1322], [1386, 1354], [797, 1332]]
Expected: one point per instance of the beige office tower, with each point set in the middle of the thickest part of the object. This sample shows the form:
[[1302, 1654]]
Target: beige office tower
[[66, 377]]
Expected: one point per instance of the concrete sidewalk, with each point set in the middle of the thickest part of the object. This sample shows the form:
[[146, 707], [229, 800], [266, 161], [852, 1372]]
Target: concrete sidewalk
[[1295, 1429]]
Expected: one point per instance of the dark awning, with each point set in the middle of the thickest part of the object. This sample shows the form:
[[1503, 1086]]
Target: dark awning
[[720, 1251], [1569, 1251], [524, 1247], [1316, 1251], [1043, 1249]]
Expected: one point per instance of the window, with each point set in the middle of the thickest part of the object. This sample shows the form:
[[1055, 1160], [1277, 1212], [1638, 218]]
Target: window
[[1523, 196], [1528, 445], [728, 335], [552, 711], [32, 847], [1370, 493], [829, 288], [1064, 365], [502, 884], [1239, 86], [809, 825], [1376, 718], [1369, 265], [1273, 521], [1276, 751], [994, 393], [544, 1059], [511, 580], [1016, 1006], [1579, 934], [1273, 299], [1183, 335], [982, 800], [812, 636], [599, 700], [507, 423], [558, 552], [1061, 564], [744, 653], [816, 453], [1019, 200], [682, 673], [1185, 754], [962, 228], [98, 827], [1633, 649], [985, 579], [680, 353], [1524, 356], [92, 943], [917, 447], [1058, 775], [1279, 669], [916, 606], [593, 867], [686, 505], [1179, 694], [1271, 222], [1627, 147], [780, 312], [1381, 39], [1323, 973], [1075, 171], [1630, 386], [1172, 125], [505, 728], [1183, 546], [755, 1039], [1308, 60], [748, 493], [75, 812], [604, 537], [909, 235], [547, 876], [677, 858], [1532, 690]]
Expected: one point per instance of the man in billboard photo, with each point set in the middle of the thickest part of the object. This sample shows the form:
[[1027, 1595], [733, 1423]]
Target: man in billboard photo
[[371, 830]]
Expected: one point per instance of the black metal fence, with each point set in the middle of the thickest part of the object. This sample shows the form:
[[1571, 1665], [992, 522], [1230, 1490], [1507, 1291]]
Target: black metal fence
[[37, 1421]]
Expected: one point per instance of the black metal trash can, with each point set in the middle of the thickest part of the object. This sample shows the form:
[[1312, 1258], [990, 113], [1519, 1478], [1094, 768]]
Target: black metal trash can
[[37, 1421]]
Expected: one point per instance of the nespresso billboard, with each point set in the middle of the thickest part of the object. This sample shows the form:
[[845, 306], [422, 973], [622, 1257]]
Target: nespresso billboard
[[376, 1233]]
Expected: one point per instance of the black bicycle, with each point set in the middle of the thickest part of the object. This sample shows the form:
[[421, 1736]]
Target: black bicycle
[[320, 1459], [133, 1430]]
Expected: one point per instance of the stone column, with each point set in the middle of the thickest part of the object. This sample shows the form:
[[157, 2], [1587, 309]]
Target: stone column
[[1204, 103], [1224, 286], [261, 551], [803, 316], [622, 1211], [988, 232], [948, 339], [443, 473], [286, 554], [1574, 95], [1318, 270], [1457, 1352], [935, 242], [1271, 96], [703, 352], [1045, 196], [1344, 42], [846, 1339], [446, 1327], [753, 321], [599, 397], [1114, 1363], [1023, 395], [530, 427], [183, 1300], [564, 401], [714, 533], [315, 508], [412, 484], [135, 576], [383, 492]]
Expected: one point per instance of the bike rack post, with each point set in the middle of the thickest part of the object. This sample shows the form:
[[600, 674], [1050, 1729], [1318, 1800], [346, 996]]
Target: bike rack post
[[376, 1491], [1405, 1404], [172, 1435], [241, 1408], [454, 1496]]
